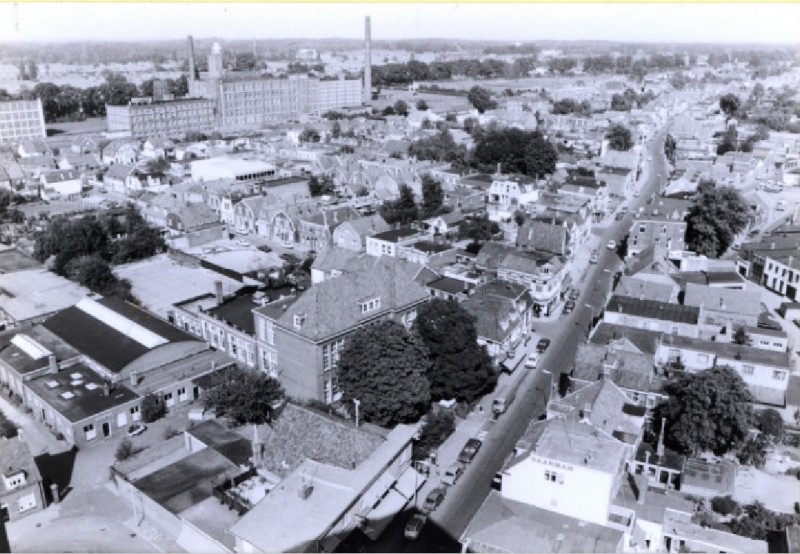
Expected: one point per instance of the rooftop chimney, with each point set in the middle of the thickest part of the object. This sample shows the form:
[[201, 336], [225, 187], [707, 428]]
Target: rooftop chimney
[[52, 362], [106, 389], [367, 61], [134, 379], [218, 292], [192, 65]]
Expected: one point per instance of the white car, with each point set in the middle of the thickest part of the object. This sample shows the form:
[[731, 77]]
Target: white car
[[612, 245], [532, 360], [242, 242]]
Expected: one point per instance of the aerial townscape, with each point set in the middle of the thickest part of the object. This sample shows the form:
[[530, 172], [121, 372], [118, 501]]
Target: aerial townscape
[[388, 294]]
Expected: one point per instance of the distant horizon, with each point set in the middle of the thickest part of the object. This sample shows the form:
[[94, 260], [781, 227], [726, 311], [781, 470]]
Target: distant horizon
[[686, 23]]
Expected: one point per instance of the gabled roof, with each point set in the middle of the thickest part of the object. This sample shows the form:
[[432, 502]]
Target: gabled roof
[[16, 456], [627, 369], [61, 176], [644, 339], [119, 171], [334, 306], [368, 226]]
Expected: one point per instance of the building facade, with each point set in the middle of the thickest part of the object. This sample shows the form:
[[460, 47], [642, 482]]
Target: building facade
[[172, 118], [21, 120]]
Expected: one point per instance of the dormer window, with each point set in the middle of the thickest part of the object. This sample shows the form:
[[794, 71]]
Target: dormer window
[[299, 320], [14, 480], [370, 305]]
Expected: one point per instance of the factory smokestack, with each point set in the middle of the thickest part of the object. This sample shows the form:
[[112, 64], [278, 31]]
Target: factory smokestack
[[367, 61], [192, 65]]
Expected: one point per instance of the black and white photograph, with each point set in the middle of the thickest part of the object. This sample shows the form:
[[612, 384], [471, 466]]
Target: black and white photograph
[[399, 277]]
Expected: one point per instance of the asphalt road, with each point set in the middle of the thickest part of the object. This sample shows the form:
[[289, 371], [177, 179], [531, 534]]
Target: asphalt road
[[463, 500]]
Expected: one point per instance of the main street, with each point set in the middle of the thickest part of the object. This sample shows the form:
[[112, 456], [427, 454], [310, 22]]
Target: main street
[[463, 500]]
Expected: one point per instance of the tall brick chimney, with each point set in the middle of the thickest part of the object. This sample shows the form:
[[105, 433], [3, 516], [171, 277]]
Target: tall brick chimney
[[367, 61], [192, 64]]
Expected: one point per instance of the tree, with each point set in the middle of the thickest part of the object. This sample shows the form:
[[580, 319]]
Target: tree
[[309, 134], [432, 196], [709, 410], [152, 408], [439, 147], [540, 156], [757, 520], [68, 239], [403, 210], [437, 427], [461, 368], [724, 505], [479, 229], [33, 71], [388, 110], [481, 99], [320, 187], [516, 151], [124, 450], [729, 104], [715, 218], [619, 137], [95, 274], [244, 396], [770, 423], [422, 105], [740, 336], [754, 452], [384, 367], [401, 108]]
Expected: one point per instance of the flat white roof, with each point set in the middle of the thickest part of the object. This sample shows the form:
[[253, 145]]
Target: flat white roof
[[120, 323], [32, 348]]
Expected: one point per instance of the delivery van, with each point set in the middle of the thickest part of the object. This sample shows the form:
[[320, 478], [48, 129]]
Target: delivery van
[[503, 400]]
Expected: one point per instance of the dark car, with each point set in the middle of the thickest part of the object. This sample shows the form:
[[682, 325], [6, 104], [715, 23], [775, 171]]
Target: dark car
[[415, 525], [265, 248], [574, 294], [469, 451], [569, 305], [619, 216], [434, 498], [542, 345]]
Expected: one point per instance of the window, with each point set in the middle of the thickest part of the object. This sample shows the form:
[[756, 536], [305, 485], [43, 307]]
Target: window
[[182, 394], [642, 228], [748, 369], [89, 431], [299, 319], [554, 477], [779, 375], [27, 502], [370, 305]]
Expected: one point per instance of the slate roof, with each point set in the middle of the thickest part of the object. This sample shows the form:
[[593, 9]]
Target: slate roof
[[543, 235], [333, 306], [652, 309], [102, 343], [629, 370], [645, 340], [602, 404], [368, 226], [642, 288], [729, 350], [61, 175]]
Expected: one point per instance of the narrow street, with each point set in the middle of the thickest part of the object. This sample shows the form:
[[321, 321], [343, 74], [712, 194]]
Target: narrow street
[[445, 525]]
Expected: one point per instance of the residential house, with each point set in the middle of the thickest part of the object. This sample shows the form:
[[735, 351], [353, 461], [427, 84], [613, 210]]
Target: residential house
[[665, 230], [300, 338], [508, 193], [543, 274], [116, 178], [353, 234], [648, 286], [191, 218], [589, 187], [465, 199], [12, 177], [632, 370], [58, 184], [316, 229], [653, 315], [503, 315], [121, 152], [774, 264], [766, 373], [158, 149], [21, 490], [388, 242], [681, 534], [246, 212], [544, 234], [619, 180], [33, 148], [445, 224], [435, 254], [768, 339], [84, 145], [80, 162]]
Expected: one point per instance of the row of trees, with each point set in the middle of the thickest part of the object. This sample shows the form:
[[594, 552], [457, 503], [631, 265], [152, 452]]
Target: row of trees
[[414, 70], [68, 103], [83, 249], [395, 373]]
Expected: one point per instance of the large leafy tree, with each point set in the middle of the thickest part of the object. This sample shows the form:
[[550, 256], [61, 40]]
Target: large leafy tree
[[439, 147], [67, 239], [95, 274], [403, 210], [709, 410], [729, 104], [401, 108], [481, 99], [384, 368], [619, 137], [479, 229], [516, 151], [244, 396], [461, 368], [432, 196], [715, 218], [319, 187]]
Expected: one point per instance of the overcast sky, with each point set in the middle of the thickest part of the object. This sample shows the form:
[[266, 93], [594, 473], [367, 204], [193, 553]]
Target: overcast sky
[[728, 22]]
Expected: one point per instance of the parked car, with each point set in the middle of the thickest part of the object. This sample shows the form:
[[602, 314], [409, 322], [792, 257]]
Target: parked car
[[469, 451], [619, 216], [574, 294], [533, 359], [542, 345], [612, 245], [415, 525], [452, 474], [624, 209], [568, 307], [136, 429], [595, 257], [434, 498], [242, 242], [265, 248]]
